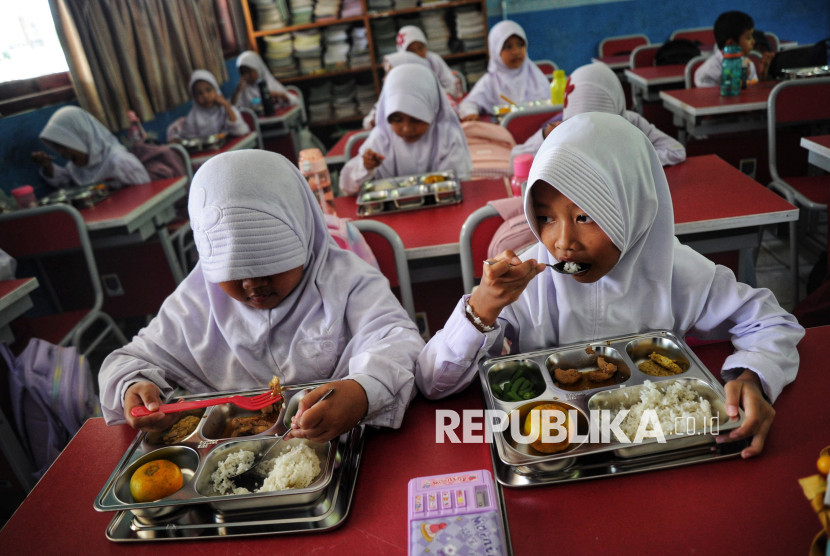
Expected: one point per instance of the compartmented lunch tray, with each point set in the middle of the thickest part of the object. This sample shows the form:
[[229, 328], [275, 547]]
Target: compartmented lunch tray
[[198, 510], [593, 450], [408, 193]]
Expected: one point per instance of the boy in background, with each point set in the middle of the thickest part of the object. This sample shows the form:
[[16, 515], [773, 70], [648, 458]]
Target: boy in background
[[732, 28]]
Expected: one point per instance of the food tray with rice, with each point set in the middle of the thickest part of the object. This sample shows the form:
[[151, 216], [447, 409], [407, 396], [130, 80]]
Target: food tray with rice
[[81, 197], [412, 192], [628, 404], [208, 143], [308, 485]]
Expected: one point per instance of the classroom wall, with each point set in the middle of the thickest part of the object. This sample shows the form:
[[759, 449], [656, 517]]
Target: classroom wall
[[19, 137], [569, 31]]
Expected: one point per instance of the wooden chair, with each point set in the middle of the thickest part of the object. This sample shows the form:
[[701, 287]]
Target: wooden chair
[[38, 234], [703, 35], [523, 123], [547, 67], [389, 251], [253, 122], [621, 44], [643, 55], [691, 68], [799, 104], [476, 233]]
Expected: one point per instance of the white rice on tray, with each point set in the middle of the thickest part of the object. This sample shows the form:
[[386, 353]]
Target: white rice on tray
[[296, 467], [679, 406]]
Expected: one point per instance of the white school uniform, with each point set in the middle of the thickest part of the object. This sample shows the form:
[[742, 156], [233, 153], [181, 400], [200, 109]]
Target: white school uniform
[[253, 214], [413, 90], [523, 84], [611, 171], [596, 88], [709, 72], [389, 62], [448, 80], [109, 161], [247, 94], [202, 122]]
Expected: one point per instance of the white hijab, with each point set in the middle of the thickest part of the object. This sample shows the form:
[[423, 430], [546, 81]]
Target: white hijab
[[200, 121], [409, 34], [400, 58], [251, 59], [77, 129], [414, 90], [610, 170], [522, 84], [593, 88]]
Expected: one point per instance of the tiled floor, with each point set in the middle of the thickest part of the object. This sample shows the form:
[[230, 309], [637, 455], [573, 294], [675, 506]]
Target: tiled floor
[[772, 266]]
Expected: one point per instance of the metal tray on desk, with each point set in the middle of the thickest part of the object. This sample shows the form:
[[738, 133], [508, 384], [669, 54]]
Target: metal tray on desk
[[588, 452], [405, 193]]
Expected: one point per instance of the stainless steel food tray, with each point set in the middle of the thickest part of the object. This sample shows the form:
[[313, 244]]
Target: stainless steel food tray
[[591, 455], [209, 142], [80, 197], [406, 193], [197, 510]]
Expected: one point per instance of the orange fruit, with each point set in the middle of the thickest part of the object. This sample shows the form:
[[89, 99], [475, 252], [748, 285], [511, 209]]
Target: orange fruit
[[155, 480], [823, 464], [533, 428]]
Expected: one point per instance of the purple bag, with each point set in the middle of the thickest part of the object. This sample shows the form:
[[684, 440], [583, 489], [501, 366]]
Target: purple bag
[[52, 394]]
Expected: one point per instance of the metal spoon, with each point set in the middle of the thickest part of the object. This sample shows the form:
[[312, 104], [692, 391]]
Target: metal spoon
[[558, 267], [253, 478]]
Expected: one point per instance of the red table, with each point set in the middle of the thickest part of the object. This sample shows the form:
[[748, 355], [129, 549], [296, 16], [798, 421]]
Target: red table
[[58, 516], [618, 62], [133, 214], [433, 232], [819, 150], [14, 301], [703, 111], [337, 154], [247, 141], [726, 507], [648, 81]]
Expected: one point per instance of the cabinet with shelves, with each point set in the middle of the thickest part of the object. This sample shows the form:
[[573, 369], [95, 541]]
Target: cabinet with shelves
[[297, 53]]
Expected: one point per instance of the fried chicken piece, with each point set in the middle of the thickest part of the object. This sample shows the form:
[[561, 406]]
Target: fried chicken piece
[[181, 429], [665, 362], [566, 376], [606, 370]]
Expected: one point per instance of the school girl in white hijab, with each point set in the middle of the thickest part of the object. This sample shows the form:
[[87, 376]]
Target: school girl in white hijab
[[596, 88], [247, 91], [254, 215], [389, 62], [523, 84], [219, 116], [409, 34], [94, 153], [609, 170], [412, 90]]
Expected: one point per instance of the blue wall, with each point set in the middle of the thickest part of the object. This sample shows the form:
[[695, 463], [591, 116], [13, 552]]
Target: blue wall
[[19, 137], [569, 31]]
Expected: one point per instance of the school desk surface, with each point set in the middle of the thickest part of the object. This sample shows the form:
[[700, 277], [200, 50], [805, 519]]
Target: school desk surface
[[819, 147]]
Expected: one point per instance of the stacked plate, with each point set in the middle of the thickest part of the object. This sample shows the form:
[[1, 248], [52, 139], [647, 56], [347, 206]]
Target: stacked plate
[[279, 55], [437, 32]]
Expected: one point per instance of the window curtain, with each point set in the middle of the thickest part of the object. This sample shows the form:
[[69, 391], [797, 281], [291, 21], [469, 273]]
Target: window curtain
[[137, 54]]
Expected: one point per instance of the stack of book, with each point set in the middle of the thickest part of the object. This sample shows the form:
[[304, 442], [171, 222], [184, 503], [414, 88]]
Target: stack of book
[[308, 51], [270, 14], [279, 55], [336, 56], [470, 28], [437, 32], [359, 54], [301, 11]]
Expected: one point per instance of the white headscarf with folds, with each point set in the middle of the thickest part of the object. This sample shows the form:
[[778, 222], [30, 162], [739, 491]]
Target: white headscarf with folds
[[400, 58], [414, 90], [251, 59], [593, 88], [610, 170], [77, 129], [522, 84]]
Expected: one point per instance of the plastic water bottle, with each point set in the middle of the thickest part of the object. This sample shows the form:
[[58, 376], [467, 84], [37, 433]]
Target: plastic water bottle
[[730, 77], [267, 101], [557, 87], [521, 170], [313, 166]]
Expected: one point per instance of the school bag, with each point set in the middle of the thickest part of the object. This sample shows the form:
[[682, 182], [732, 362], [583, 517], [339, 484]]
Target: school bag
[[347, 237], [490, 145], [807, 56], [160, 161], [52, 394], [677, 51], [514, 233]]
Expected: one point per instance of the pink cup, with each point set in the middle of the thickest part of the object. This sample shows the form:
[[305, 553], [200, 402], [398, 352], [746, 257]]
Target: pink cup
[[25, 196]]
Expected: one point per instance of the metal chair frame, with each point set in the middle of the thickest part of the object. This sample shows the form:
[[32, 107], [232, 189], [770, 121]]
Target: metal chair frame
[[626, 42], [465, 243]]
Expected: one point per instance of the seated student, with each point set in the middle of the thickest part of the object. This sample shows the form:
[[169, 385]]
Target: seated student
[[416, 132], [732, 28], [597, 196], [211, 112], [389, 62], [596, 88], [271, 295], [510, 73], [251, 70], [412, 39], [94, 154]]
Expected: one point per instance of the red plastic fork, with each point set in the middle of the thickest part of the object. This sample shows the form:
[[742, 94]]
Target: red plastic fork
[[252, 403]]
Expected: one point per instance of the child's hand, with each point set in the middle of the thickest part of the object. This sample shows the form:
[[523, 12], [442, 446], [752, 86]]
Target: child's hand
[[281, 98], [501, 284], [470, 118], [763, 67], [758, 413], [147, 394], [42, 159], [333, 416], [371, 159]]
